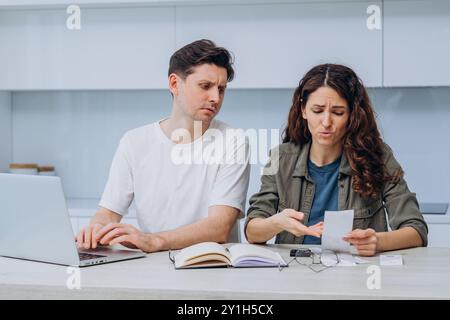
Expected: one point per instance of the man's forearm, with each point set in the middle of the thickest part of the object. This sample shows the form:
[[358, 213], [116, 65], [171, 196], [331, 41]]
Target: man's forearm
[[200, 231]]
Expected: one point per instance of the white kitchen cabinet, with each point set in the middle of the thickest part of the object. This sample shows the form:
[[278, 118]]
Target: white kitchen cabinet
[[416, 43], [129, 47], [15, 4], [116, 48], [275, 45]]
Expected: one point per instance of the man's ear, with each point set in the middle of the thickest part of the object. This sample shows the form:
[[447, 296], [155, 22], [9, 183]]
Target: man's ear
[[173, 83]]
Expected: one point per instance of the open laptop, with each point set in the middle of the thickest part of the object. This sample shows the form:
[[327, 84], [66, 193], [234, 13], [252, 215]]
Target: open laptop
[[35, 224]]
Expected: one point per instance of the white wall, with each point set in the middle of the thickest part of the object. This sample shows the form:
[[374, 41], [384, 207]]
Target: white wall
[[415, 123], [79, 131], [5, 130]]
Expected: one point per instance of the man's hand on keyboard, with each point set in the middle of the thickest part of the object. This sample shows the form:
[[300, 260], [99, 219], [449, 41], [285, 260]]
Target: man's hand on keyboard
[[86, 238], [128, 236]]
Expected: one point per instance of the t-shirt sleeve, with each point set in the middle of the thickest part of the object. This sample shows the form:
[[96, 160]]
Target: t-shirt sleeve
[[119, 192], [231, 183]]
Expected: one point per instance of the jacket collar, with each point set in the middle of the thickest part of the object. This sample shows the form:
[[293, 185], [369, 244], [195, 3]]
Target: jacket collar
[[301, 167]]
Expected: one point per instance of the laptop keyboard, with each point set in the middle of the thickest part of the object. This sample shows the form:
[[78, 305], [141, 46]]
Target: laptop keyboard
[[89, 256]]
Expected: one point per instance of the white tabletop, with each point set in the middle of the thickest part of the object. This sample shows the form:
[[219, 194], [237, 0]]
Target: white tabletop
[[425, 274]]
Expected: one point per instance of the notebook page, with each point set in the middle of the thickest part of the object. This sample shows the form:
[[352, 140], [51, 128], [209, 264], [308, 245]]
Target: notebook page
[[199, 250], [252, 255]]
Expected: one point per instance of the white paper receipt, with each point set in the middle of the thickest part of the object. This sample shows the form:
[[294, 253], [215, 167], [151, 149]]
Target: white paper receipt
[[391, 260], [336, 225]]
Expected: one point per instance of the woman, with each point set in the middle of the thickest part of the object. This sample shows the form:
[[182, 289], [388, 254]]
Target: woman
[[333, 158]]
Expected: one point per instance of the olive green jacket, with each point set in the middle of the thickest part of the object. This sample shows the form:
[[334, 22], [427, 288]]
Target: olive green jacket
[[291, 187]]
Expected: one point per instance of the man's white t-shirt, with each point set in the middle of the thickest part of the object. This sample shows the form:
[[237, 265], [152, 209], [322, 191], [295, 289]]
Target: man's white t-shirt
[[174, 184]]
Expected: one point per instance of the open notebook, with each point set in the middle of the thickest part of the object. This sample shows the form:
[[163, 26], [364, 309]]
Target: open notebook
[[211, 254]]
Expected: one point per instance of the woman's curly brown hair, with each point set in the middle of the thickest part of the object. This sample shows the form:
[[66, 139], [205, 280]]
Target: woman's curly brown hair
[[361, 143]]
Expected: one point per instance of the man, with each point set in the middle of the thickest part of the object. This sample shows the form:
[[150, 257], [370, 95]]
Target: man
[[181, 198]]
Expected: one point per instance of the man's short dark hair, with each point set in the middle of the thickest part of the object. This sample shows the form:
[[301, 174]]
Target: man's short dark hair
[[197, 53]]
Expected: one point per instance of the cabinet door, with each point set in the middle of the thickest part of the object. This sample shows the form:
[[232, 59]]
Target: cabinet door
[[417, 43], [116, 48], [275, 45]]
